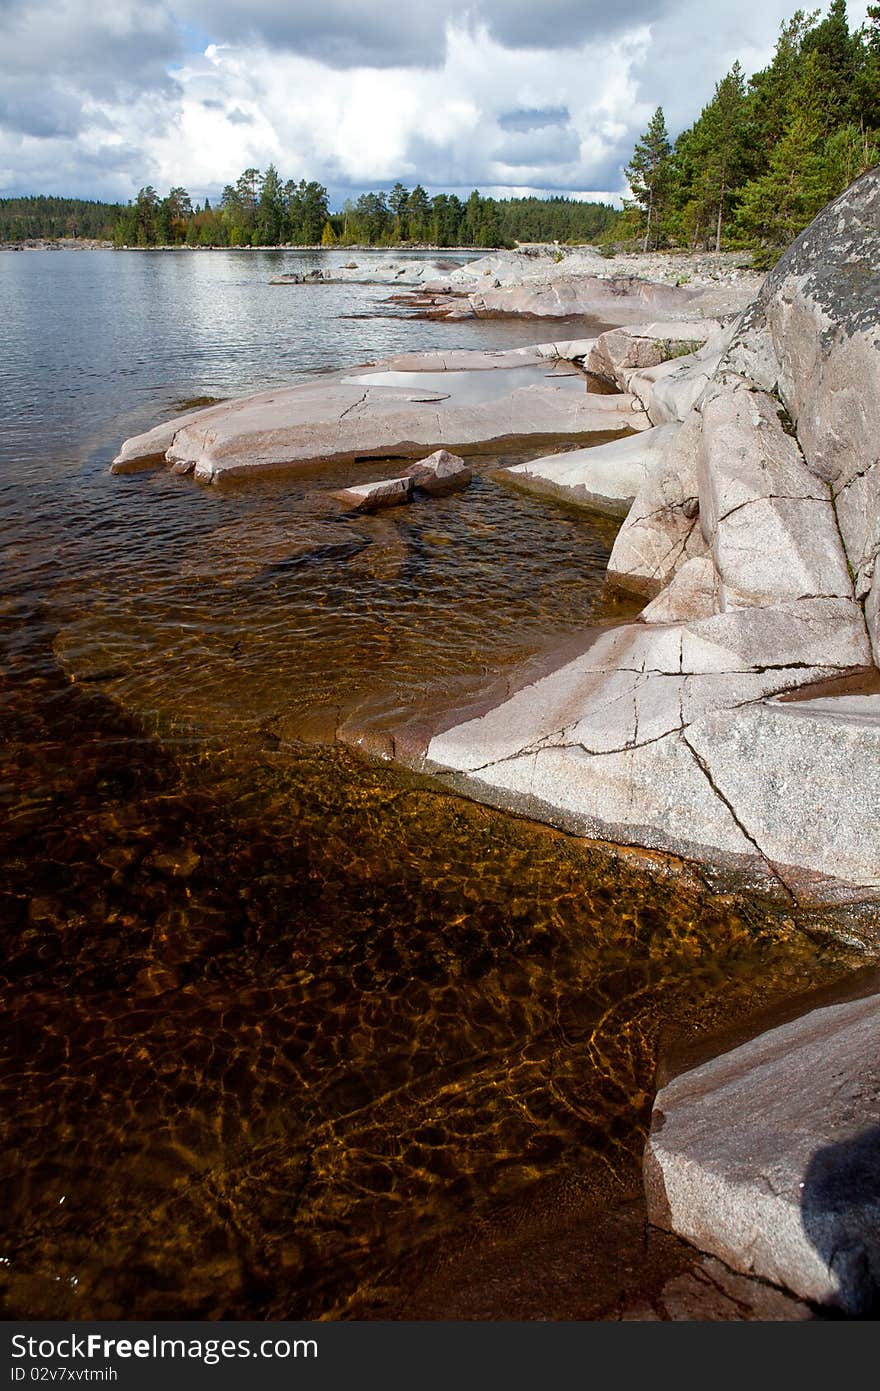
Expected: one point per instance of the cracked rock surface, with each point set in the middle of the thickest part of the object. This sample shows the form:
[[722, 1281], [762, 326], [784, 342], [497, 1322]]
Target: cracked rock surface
[[347, 415], [754, 532]]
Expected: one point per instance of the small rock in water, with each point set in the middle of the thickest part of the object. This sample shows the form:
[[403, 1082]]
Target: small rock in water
[[441, 472], [367, 497]]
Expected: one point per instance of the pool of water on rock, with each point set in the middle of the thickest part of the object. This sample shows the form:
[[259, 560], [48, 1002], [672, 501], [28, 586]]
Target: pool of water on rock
[[281, 1023]]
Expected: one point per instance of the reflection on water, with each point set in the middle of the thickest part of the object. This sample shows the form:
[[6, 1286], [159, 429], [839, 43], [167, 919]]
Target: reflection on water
[[277, 1021], [477, 387]]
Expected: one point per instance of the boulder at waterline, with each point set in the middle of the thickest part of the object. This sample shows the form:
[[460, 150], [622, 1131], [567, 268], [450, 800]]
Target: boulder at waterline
[[769, 1156], [370, 497], [349, 416], [604, 477], [440, 473]]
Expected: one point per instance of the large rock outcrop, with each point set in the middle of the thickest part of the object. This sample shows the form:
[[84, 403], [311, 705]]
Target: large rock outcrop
[[755, 533], [554, 281], [410, 406], [813, 339]]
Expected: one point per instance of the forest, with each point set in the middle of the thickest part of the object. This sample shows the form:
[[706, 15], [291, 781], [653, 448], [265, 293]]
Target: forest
[[767, 153], [260, 210], [42, 216], [755, 167]]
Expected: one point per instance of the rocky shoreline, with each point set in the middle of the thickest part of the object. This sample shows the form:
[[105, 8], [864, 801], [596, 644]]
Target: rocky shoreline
[[57, 244], [736, 723]]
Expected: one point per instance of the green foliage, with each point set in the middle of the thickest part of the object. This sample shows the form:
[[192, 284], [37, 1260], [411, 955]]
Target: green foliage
[[649, 173], [40, 216], [765, 156], [674, 347]]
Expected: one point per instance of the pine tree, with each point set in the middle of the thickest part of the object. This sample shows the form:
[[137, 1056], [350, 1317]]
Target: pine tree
[[715, 152], [418, 212], [835, 52], [648, 174], [270, 209], [776, 206], [398, 200]]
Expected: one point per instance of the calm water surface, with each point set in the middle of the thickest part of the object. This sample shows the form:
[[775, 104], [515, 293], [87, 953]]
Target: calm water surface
[[277, 1021]]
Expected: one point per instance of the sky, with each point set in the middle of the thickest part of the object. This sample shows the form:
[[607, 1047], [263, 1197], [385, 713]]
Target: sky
[[507, 96]]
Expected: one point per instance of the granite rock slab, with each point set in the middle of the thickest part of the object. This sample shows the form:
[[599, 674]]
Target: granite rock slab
[[604, 477]]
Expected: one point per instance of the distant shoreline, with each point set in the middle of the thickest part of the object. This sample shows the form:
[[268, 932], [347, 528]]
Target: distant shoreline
[[94, 244]]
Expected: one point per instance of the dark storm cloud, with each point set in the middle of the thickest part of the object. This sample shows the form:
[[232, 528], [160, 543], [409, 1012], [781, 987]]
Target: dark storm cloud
[[78, 46], [63, 167], [340, 33], [563, 23], [43, 114], [350, 33]]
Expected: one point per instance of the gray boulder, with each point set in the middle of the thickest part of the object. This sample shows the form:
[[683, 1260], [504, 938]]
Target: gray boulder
[[621, 351], [813, 338], [769, 1157], [369, 497]]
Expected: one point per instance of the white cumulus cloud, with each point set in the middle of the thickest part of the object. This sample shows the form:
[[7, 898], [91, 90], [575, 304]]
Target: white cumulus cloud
[[494, 94]]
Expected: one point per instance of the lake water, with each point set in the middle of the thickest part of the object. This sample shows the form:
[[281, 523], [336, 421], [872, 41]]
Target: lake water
[[283, 1026]]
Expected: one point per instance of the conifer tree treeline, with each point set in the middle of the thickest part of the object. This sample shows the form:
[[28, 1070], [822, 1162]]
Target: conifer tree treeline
[[40, 215], [260, 210], [766, 154]]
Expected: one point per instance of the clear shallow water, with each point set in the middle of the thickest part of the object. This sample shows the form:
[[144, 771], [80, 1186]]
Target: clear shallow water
[[277, 1020]]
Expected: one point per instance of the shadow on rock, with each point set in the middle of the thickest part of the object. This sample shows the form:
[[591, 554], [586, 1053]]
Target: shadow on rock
[[841, 1217]]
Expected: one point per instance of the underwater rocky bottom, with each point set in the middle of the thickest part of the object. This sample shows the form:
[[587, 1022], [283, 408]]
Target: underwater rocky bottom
[[291, 1034]]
